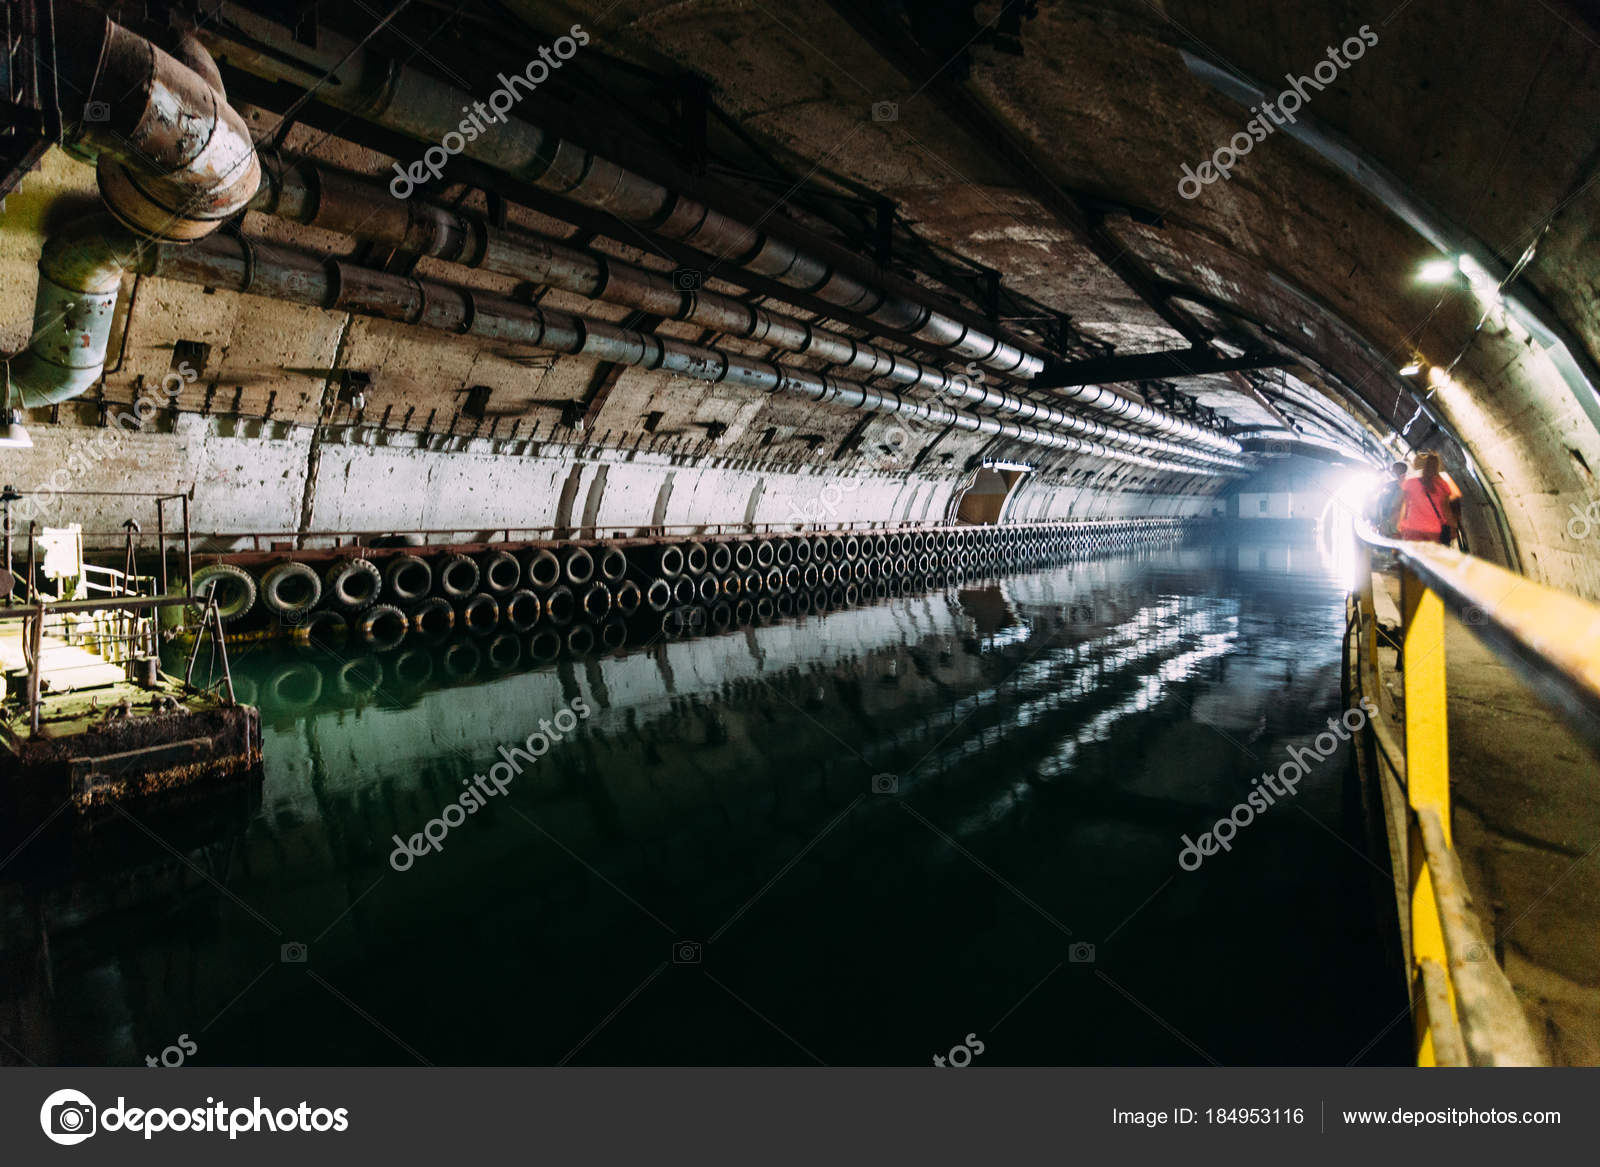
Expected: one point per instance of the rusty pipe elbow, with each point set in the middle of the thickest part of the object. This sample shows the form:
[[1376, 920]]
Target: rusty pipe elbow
[[175, 159]]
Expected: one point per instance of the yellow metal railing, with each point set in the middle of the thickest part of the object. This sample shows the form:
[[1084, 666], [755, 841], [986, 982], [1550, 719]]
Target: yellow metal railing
[[1464, 1009]]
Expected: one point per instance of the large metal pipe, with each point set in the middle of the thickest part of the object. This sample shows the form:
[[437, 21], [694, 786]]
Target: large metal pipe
[[404, 99], [307, 191], [173, 161], [80, 274], [244, 265]]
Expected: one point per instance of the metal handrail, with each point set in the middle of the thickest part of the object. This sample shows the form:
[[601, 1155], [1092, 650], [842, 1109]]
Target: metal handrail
[[577, 531], [182, 538], [121, 608], [122, 603], [1551, 638], [1465, 1010]]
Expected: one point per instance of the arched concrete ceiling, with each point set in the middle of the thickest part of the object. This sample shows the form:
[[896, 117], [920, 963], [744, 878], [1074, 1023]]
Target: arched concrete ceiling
[[1044, 143], [1486, 112]]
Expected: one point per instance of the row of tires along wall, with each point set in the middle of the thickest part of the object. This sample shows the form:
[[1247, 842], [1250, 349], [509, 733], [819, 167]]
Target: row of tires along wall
[[578, 594]]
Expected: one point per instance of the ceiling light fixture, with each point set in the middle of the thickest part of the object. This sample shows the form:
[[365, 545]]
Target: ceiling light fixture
[[1436, 271]]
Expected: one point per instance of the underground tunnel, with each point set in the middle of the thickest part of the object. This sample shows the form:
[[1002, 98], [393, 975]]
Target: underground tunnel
[[859, 533]]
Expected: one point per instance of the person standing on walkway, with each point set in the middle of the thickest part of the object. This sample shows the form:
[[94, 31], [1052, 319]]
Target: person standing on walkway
[[1430, 503], [1384, 510]]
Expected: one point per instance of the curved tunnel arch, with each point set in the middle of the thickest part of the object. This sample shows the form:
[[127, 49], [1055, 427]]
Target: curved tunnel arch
[[727, 296], [991, 159]]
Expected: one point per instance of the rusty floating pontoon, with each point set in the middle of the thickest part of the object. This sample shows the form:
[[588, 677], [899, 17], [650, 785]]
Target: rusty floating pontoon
[[88, 717]]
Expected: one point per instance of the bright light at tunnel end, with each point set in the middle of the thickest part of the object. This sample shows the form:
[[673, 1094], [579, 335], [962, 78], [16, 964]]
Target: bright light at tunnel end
[[1347, 501]]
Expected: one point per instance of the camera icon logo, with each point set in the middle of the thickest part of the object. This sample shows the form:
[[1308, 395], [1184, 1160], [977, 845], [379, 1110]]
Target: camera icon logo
[[293, 953], [885, 111], [1081, 953], [885, 784], [67, 1117], [96, 111], [686, 952], [687, 279]]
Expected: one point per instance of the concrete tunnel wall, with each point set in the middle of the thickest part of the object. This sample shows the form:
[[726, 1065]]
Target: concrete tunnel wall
[[1102, 102], [1289, 252], [262, 436], [257, 482]]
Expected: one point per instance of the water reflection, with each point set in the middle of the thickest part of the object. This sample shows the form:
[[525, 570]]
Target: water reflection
[[842, 838]]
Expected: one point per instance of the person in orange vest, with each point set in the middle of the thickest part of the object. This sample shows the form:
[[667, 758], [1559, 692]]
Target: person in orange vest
[[1430, 503]]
